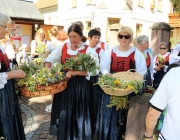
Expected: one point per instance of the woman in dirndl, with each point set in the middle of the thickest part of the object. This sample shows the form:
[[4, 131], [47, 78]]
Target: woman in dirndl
[[143, 44], [111, 124], [161, 63], [72, 109], [11, 126]]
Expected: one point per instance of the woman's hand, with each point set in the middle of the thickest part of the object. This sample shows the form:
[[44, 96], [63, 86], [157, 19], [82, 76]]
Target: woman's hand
[[157, 68], [16, 74], [161, 66], [69, 74]]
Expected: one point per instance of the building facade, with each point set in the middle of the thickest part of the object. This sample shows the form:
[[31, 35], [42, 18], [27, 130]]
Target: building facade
[[109, 15]]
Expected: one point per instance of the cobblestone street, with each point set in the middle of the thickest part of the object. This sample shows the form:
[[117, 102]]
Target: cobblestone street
[[35, 120]]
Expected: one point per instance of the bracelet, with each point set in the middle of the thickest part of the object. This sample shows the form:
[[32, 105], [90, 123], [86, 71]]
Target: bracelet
[[148, 136]]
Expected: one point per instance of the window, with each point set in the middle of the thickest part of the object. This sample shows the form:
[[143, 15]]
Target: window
[[141, 3], [113, 21], [113, 25], [88, 2], [138, 29], [74, 3], [88, 27], [49, 20], [159, 8]]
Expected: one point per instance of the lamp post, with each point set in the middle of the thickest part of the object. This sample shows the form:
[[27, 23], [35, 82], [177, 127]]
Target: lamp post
[[92, 19]]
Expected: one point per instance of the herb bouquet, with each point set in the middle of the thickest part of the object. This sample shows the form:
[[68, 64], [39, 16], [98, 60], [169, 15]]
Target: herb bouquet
[[80, 63], [119, 85], [160, 60], [41, 81]]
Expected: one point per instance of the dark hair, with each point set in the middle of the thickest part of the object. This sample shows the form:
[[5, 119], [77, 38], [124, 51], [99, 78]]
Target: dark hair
[[97, 28], [80, 24], [77, 29], [93, 32]]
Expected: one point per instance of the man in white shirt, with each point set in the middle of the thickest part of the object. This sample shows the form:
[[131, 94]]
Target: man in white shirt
[[167, 96]]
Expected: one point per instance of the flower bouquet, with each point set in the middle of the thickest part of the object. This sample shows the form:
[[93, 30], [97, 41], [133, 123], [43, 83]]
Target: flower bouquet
[[160, 60], [41, 81], [119, 85], [80, 63]]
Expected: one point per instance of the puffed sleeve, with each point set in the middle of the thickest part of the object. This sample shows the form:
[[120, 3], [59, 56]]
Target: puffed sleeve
[[176, 49], [10, 51], [151, 66], [154, 63], [3, 79], [105, 62], [33, 47], [140, 62], [55, 55], [49, 46]]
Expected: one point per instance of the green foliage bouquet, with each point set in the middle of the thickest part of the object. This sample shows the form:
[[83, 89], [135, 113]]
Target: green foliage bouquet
[[114, 84], [160, 60], [38, 75], [80, 63]]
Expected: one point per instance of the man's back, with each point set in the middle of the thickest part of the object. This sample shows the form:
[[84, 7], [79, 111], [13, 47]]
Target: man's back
[[168, 96]]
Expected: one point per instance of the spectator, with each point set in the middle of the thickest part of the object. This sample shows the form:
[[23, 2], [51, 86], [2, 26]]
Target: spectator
[[22, 56], [166, 97]]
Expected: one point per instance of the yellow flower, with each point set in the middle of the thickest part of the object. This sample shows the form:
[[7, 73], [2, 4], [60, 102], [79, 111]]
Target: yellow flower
[[130, 87], [60, 73], [117, 82]]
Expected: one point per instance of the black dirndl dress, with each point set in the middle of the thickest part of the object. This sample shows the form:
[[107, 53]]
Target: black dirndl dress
[[111, 123], [97, 93], [72, 111], [158, 76], [11, 126]]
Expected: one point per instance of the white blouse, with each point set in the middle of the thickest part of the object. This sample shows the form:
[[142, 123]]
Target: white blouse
[[140, 62], [151, 67], [172, 59], [56, 54], [3, 75], [49, 46]]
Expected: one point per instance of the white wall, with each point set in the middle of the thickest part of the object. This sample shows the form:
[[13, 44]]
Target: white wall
[[139, 15]]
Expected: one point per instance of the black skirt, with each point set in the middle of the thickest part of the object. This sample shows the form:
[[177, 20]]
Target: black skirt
[[97, 93], [72, 111], [11, 127], [158, 76]]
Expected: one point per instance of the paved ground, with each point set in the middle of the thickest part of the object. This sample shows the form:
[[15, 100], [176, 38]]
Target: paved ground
[[35, 120]]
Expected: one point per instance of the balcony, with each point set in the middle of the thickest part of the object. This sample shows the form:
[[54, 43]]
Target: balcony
[[174, 20]]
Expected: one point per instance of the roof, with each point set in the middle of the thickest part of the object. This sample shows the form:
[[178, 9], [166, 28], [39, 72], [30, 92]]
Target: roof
[[41, 4], [20, 9]]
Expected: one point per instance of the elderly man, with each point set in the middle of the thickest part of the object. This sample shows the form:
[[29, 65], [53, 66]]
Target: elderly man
[[167, 96]]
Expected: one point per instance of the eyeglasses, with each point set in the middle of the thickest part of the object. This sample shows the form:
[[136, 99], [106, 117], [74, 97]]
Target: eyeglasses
[[162, 48], [5, 27], [124, 36]]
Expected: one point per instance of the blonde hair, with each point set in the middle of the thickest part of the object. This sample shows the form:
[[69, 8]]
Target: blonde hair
[[127, 30], [37, 32], [54, 31]]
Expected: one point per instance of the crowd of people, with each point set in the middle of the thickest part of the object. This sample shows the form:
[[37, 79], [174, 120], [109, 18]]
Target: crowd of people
[[80, 111]]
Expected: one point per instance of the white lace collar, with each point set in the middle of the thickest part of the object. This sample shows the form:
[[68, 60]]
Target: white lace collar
[[127, 53], [79, 49], [164, 54]]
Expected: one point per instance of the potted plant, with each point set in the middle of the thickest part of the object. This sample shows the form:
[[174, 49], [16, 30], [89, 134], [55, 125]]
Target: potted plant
[[176, 6]]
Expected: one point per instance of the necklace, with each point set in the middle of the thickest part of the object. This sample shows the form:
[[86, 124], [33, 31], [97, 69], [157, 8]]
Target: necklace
[[78, 45]]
